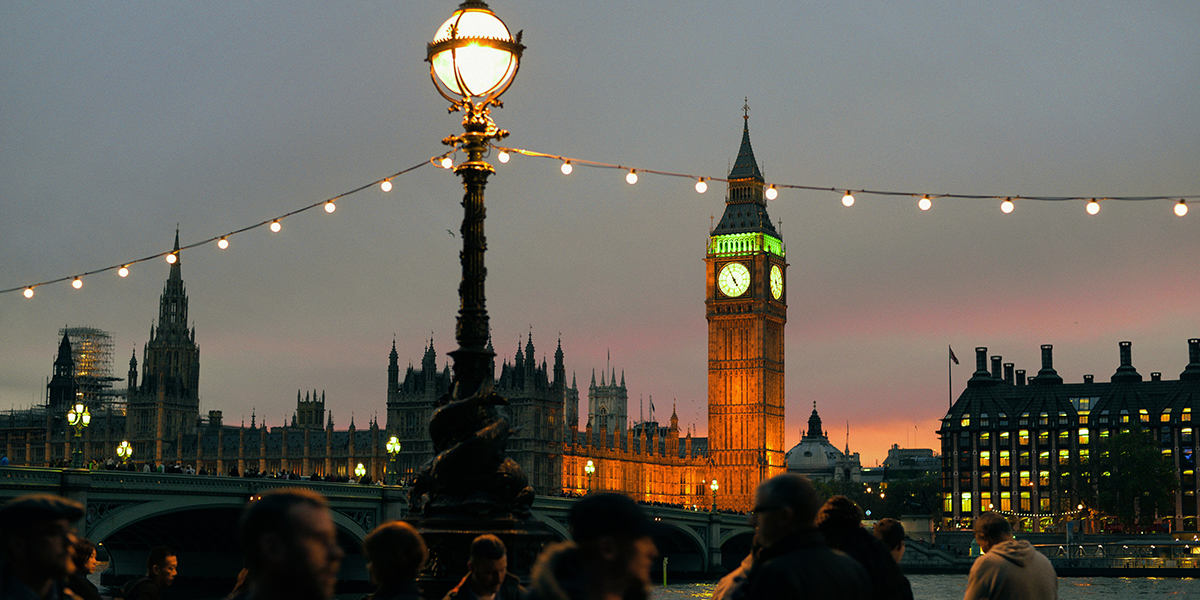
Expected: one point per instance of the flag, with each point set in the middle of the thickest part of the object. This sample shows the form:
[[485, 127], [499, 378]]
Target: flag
[[952, 356]]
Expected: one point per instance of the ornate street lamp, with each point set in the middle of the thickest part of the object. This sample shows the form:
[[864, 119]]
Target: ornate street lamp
[[79, 418], [359, 471], [589, 468], [714, 487], [472, 60], [393, 448], [124, 451], [472, 487]]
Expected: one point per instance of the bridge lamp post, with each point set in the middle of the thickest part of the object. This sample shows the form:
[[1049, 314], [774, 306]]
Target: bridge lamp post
[[359, 471], [79, 418], [589, 468], [393, 449], [714, 487], [473, 59], [124, 451]]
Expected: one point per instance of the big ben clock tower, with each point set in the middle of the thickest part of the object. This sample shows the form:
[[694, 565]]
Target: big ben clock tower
[[746, 307]]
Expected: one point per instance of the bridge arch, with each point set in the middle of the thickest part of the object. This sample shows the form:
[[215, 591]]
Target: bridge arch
[[203, 530], [558, 528]]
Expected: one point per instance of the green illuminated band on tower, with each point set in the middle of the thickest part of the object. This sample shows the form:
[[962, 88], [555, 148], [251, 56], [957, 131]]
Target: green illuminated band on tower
[[745, 243]]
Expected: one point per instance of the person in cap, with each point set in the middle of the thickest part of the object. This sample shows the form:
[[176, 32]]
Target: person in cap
[[487, 575], [38, 538], [795, 560], [610, 556]]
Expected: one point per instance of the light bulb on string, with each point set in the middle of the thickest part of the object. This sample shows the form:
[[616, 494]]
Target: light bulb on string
[[77, 283], [848, 199], [701, 185], [631, 177], [28, 292], [1006, 207], [447, 162], [222, 243], [1181, 208], [772, 193], [330, 206], [1093, 207], [924, 203], [275, 226], [386, 185], [566, 167], [172, 258], [123, 271], [503, 156]]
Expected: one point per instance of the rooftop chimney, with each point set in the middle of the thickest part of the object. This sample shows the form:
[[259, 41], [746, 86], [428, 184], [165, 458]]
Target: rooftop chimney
[[1020, 376], [1008, 373], [1048, 376], [1192, 372], [981, 377], [1089, 378], [996, 367], [1126, 372], [1156, 376]]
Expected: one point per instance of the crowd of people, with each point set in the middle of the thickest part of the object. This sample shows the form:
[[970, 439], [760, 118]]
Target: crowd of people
[[802, 548]]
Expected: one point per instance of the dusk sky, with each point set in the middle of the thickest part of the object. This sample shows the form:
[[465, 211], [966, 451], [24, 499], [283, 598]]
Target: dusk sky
[[120, 120]]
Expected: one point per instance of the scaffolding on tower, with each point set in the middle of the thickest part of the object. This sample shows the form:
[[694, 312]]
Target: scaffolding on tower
[[92, 350]]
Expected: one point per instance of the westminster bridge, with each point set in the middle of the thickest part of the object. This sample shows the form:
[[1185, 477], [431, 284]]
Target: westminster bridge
[[197, 515]]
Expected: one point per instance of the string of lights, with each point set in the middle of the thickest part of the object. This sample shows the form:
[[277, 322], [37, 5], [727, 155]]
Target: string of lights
[[924, 200], [446, 161], [222, 241], [1009, 513]]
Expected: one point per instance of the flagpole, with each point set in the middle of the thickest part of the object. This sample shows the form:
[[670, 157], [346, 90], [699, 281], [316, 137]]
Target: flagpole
[[949, 379]]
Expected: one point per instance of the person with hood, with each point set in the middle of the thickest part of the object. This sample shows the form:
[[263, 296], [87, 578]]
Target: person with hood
[[1008, 569], [840, 519], [610, 556]]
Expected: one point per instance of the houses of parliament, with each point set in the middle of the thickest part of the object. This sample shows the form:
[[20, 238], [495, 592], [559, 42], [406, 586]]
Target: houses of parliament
[[159, 414]]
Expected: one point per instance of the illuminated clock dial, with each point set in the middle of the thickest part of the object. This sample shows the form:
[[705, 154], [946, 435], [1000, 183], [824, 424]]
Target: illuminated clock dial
[[776, 281], [734, 279]]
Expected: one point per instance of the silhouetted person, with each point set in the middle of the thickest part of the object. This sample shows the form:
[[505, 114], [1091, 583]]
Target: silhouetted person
[[840, 519], [290, 546], [85, 564], [395, 554], [161, 567], [1008, 569], [36, 533], [891, 533], [487, 575], [610, 556], [795, 561]]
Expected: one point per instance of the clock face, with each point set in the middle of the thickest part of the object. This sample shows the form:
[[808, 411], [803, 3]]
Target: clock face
[[776, 281], [734, 279]]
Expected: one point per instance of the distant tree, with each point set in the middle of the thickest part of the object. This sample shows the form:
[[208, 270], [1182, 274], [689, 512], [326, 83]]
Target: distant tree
[[1129, 478], [913, 496]]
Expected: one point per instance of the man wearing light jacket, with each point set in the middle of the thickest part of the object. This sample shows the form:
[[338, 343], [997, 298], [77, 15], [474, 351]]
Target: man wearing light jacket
[[1008, 569]]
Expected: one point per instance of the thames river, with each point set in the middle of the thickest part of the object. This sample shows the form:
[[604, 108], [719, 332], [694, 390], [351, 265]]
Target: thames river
[[951, 587]]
